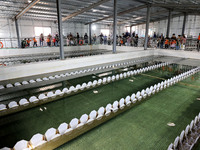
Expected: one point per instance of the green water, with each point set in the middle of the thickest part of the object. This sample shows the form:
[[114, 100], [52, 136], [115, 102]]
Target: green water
[[25, 124], [144, 127]]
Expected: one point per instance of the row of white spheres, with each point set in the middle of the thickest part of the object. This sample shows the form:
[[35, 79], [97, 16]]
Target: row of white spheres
[[19, 62], [61, 75], [92, 84], [100, 81], [43, 59], [108, 79], [124, 75], [139, 95], [143, 94]]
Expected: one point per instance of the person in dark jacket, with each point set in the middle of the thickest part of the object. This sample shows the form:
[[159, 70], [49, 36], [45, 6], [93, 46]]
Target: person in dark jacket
[[86, 38], [162, 40], [136, 40], [77, 37]]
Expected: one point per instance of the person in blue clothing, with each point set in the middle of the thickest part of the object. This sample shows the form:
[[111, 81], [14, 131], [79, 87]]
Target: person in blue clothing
[[105, 39], [127, 34]]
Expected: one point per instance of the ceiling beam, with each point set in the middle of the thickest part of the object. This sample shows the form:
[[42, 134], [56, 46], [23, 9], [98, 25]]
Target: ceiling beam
[[171, 6], [84, 9], [152, 14], [120, 13], [156, 20], [29, 6]]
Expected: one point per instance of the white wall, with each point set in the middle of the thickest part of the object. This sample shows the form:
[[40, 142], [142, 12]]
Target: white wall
[[26, 30], [7, 32]]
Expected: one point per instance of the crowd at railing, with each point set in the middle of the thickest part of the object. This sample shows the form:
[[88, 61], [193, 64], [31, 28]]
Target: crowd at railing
[[126, 39], [188, 137]]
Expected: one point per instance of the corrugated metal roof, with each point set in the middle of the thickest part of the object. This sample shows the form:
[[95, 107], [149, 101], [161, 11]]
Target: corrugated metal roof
[[46, 9]]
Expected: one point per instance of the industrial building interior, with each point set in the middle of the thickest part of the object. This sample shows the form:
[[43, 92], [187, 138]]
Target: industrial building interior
[[99, 74]]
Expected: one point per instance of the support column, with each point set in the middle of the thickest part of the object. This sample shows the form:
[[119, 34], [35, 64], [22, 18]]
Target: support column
[[147, 27], [60, 30], [17, 31], [114, 26], [184, 22], [131, 30], [90, 34], [169, 23]]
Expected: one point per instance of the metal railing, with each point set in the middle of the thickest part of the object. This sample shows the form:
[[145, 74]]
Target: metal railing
[[191, 44]]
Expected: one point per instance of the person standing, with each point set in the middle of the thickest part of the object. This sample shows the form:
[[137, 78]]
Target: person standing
[[34, 42], [166, 43], [54, 41], [173, 37], [136, 40], [49, 40], [28, 42], [154, 38], [133, 34], [94, 38], [86, 38], [162, 40], [109, 39], [77, 37], [101, 38], [105, 39], [183, 41], [41, 39], [124, 38], [57, 39], [178, 41], [23, 44], [154, 35]]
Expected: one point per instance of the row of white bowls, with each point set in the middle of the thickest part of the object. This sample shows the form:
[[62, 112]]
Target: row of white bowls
[[43, 56], [65, 129], [17, 84], [13, 61], [34, 99]]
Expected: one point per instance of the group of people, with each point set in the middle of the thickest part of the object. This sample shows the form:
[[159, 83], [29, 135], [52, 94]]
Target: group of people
[[51, 41], [156, 41], [103, 39], [26, 42], [80, 40], [174, 42], [77, 40], [126, 39]]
